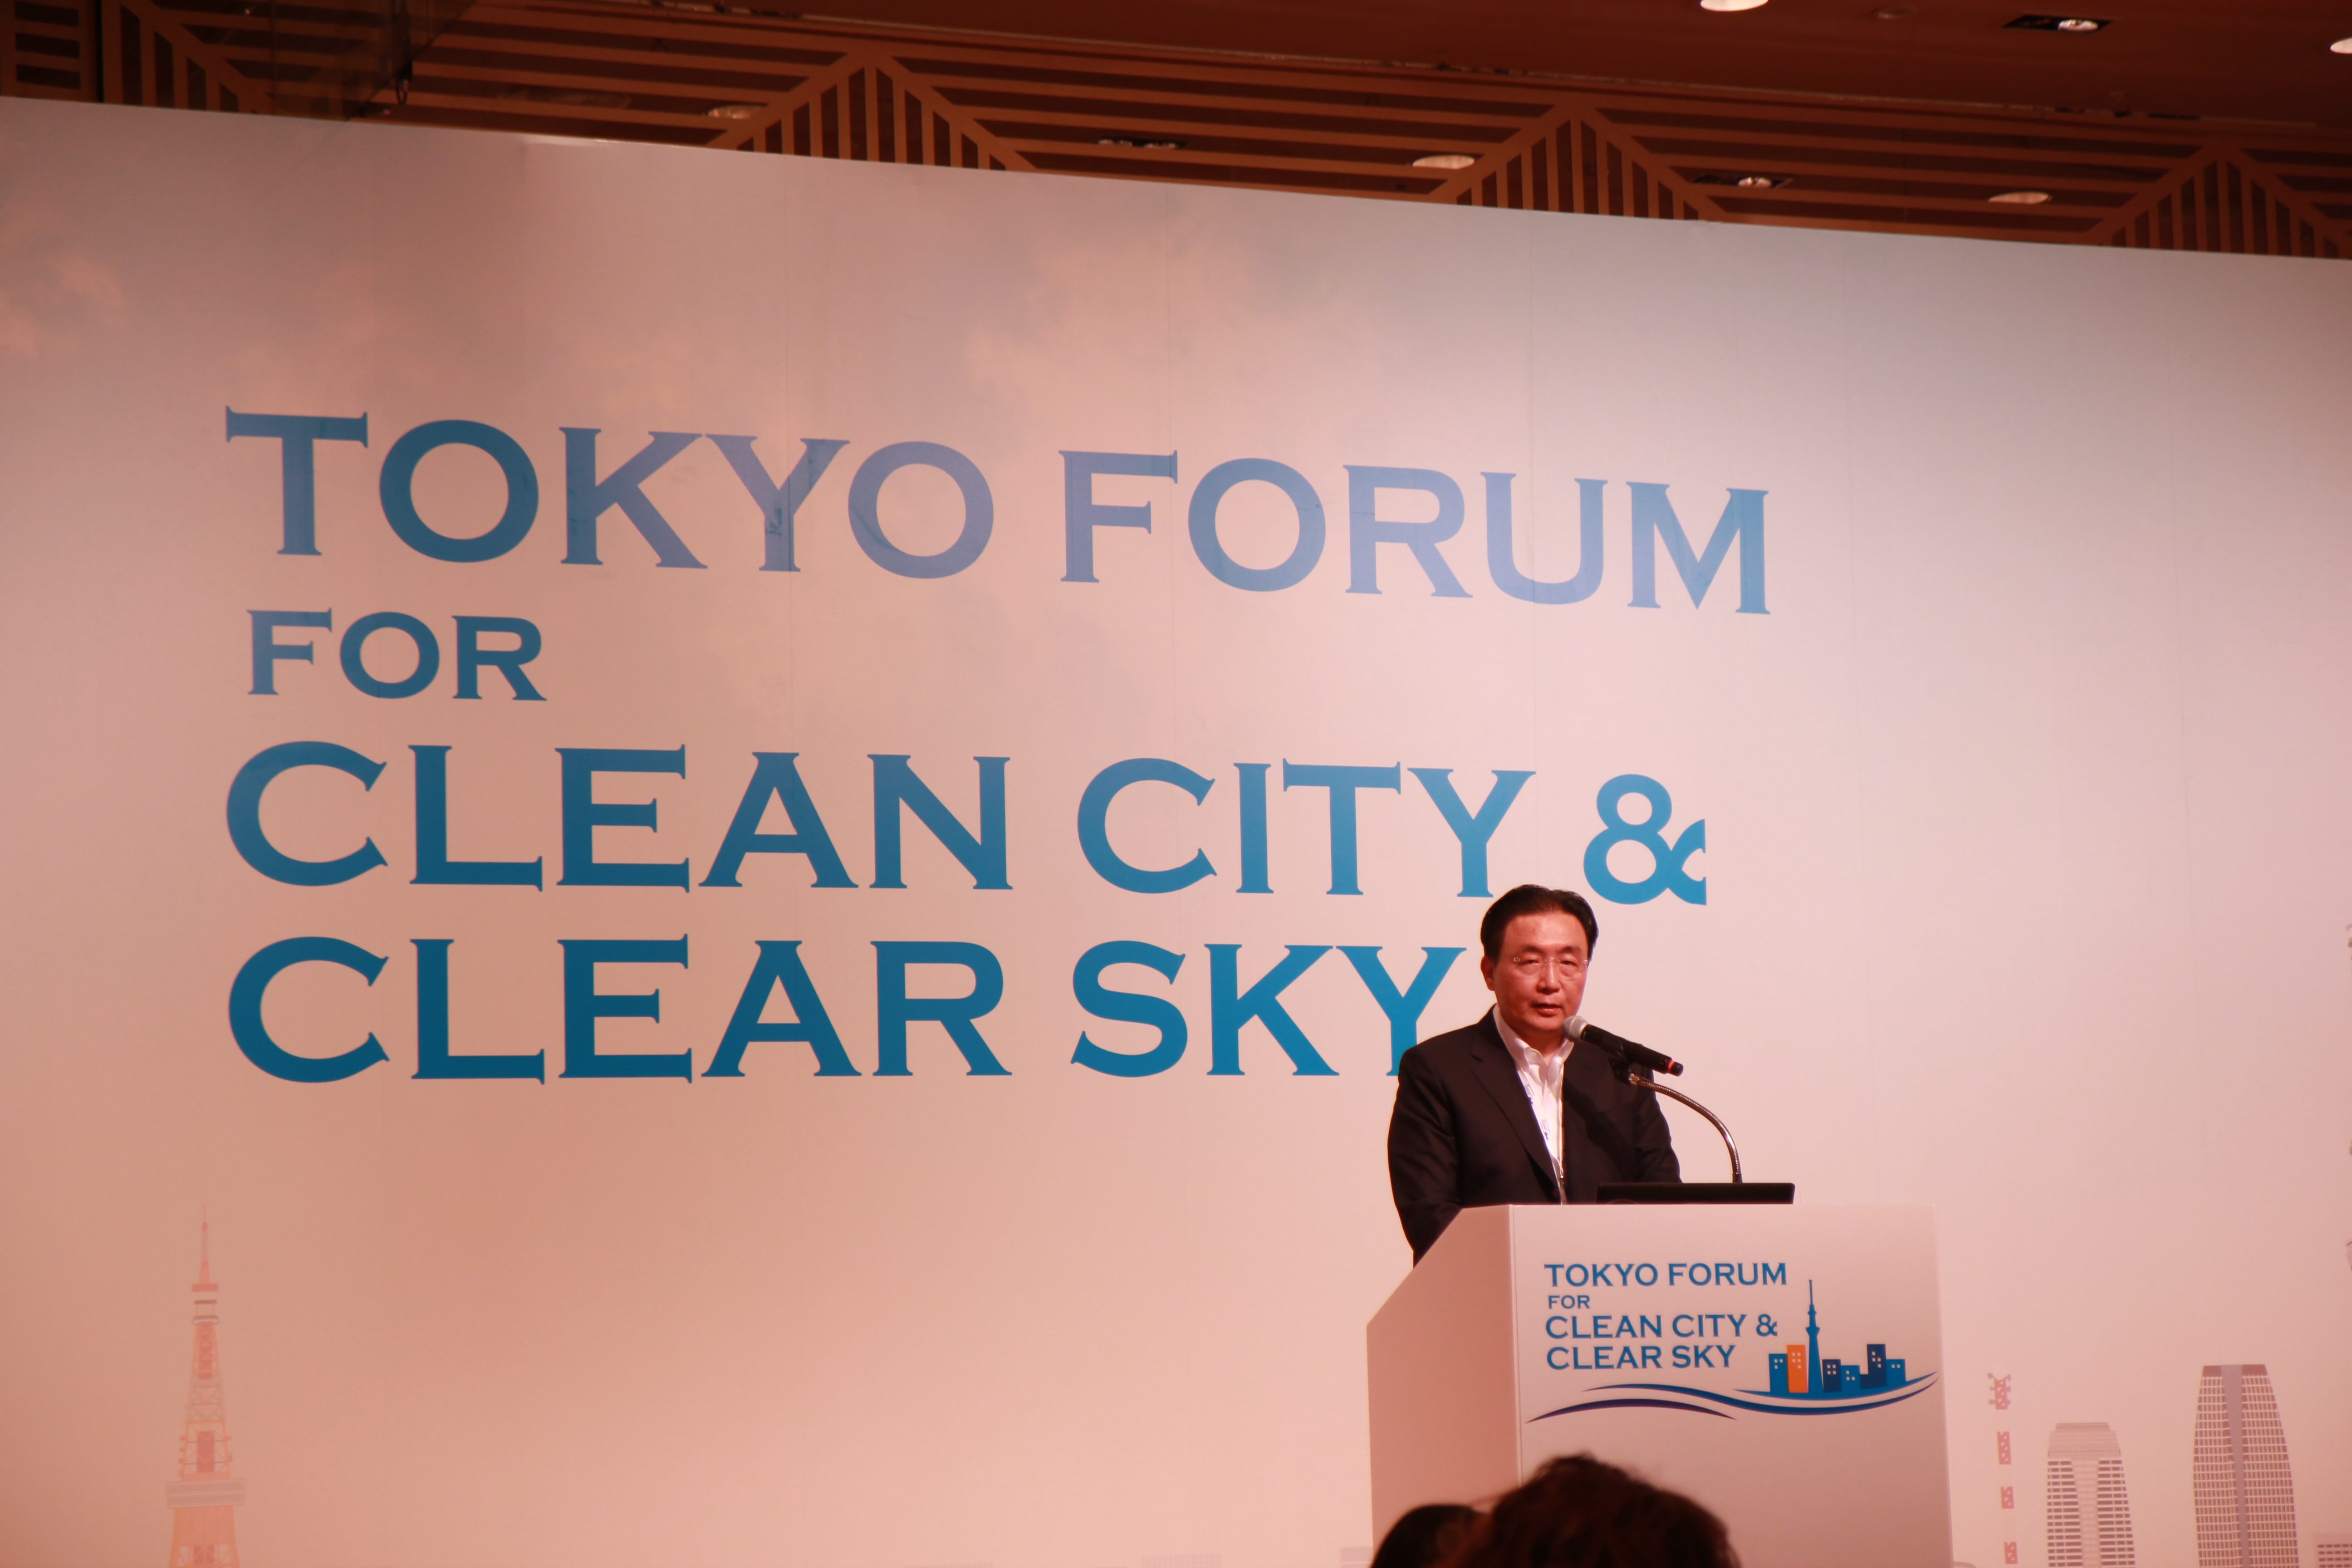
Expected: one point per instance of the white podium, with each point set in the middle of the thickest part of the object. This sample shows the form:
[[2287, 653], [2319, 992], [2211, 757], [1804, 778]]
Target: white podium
[[1780, 1364]]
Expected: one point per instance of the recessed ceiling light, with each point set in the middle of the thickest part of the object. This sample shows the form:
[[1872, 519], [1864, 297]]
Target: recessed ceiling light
[[1728, 4], [1892, 13], [1137, 141], [2341, 47], [1756, 182], [1444, 161], [2022, 198], [2035, 23], [734, 110]]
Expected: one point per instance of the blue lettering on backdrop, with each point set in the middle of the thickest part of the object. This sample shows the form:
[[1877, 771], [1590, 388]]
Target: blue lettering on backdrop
[[1366, 533], [865, 517], [1742, 523], [1253, 833], [1231, 1007], [509, 645], [1342, 783], [1668, 862], [1404, 1007], [433, 1058], [780, 964], [776, 779], [267, 650], [1473, 830], [983, 856], [297, 466], [584, 814], [420, 637], [434, 866], [396, 487], [1292, 569], [587, 498], [776, 775], [1129, 1008], [893, 1009], [252, 983], [1093, 835], [1082, 514], [245, 828], [778, 504], [472, 656], [1502, 550], [583, 1004]]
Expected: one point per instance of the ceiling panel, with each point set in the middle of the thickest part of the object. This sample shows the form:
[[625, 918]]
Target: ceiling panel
[[705, 74]]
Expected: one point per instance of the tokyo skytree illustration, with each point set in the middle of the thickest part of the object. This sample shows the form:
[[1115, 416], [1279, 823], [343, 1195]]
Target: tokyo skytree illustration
[[203, 1499], [2245, 1495], [2088, 1515]]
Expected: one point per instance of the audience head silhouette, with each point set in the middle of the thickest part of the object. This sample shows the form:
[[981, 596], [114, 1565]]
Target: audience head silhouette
[[1426, 1536], [1578, 1512]]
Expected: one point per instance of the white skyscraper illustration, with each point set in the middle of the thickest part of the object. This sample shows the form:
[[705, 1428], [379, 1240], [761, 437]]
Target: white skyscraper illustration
[[2089, 1518], [2245, 1494]]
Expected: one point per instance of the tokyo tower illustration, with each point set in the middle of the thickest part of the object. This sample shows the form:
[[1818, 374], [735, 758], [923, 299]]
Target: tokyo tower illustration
[[203, 1499]]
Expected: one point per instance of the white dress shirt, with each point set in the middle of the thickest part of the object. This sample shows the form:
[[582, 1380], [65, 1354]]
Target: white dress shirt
[[1540, 1075]]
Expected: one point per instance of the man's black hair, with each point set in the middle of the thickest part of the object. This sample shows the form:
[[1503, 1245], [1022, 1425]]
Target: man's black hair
[[1526, 898]]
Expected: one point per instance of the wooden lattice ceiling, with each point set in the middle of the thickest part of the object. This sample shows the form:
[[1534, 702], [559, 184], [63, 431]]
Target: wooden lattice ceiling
[[705, 74]]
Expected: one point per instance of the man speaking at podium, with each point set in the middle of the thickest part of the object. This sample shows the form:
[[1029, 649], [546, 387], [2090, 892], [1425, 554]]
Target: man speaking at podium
[[1479, 1112]]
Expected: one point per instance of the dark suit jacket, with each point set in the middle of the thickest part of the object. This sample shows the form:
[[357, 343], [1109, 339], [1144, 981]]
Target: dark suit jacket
[[1464, 1136]]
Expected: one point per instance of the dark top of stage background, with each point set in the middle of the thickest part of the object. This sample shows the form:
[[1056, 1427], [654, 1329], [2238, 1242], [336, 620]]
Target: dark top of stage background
[[2214, 125], [2246, 60]]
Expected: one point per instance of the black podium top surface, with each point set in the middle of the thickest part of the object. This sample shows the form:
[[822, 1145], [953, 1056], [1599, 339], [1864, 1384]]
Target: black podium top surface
[[1696, 1193]]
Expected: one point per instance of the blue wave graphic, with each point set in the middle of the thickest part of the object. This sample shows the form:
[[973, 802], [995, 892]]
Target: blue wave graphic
[[1634, 1403], [1918, 1387]]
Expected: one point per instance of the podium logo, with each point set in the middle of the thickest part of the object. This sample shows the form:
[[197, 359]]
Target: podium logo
[[1802, 1382]]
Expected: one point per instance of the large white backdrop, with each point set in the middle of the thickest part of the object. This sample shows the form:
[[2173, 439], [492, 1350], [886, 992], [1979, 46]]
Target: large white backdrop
[[2014, 711]]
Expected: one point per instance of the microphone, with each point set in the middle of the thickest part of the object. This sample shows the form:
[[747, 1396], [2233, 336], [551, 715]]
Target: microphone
[[1626, 1055], [1624, 1049]]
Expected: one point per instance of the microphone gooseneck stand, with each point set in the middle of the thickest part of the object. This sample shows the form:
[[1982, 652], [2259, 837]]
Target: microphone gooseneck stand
[[1627, 1074]]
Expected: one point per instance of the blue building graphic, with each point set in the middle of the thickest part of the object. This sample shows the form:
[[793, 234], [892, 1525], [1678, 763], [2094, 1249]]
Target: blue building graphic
[[1801, 1371]]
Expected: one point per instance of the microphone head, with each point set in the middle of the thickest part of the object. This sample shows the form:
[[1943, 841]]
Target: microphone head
[[1622, 1050]]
